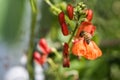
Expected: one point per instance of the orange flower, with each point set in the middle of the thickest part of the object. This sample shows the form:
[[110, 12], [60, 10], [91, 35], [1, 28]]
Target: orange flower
[[93, 51], [90, 51], [79, 47]]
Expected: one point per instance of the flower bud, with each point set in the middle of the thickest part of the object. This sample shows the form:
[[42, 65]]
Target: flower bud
[[36, 55], [41, 59], [70, 11], [66, 62], [64, 29], [61, 18], [89, 14], [65, 49], [43, 46]]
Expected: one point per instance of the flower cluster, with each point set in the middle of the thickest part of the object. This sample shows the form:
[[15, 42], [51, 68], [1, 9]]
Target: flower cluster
[[43, 51], [81, 36]]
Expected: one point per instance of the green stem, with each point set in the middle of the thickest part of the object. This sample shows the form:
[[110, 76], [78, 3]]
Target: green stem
[[57, 10], [51, 62], [73, 33], [30, 64], [56, 53]]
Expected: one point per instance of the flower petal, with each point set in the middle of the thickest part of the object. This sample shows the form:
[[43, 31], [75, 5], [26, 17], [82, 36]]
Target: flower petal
[[79, 48], [93, 51], [85, 26]]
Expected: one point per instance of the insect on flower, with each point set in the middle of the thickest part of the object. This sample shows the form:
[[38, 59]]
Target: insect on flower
[[87, 36], [87, 27], [83, 46]]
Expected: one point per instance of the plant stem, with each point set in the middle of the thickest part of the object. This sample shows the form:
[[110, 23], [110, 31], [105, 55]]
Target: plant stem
[[56, 53], [57, 10], [51, 62], [73, 33], [30, 64]]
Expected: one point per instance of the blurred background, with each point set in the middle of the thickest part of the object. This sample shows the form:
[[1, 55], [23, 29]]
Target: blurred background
[[15, 22]]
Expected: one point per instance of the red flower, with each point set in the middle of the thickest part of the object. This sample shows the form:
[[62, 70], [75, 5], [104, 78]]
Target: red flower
[[85, 26], [89, 14], [43, 46], [70, 11]]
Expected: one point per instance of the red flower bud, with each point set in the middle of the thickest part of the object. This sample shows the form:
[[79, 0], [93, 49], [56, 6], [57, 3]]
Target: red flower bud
[[70, 11], [66, 62], [61, 18], [64, 29], [89, 14], [44, 46], [36, 56], [41, 59], [65, 49]]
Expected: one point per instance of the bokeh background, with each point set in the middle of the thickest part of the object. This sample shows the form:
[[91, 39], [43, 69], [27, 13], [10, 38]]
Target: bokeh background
[[15, 22]]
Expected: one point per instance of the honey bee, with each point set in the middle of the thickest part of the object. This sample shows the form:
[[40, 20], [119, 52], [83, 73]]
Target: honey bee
[[87, 36]]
